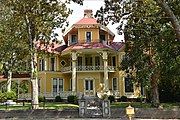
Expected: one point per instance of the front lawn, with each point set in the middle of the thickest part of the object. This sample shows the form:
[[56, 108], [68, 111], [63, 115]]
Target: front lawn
[[61, 105], [47, 105], [142, 105]]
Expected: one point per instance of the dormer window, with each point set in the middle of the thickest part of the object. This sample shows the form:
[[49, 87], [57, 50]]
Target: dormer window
[[102, 38], [73, 39], [88, 36]]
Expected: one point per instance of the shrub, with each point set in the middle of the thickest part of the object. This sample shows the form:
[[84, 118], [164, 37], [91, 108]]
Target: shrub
[[139, 99], [41, 98], [58, 99], [9, 95], [72, 99], [2, 97], [123, 99], [111, 98]]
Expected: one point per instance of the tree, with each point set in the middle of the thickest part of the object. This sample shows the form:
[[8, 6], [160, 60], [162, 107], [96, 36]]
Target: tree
[[13, 50], [170, 13], [40, 18], [144, 36]]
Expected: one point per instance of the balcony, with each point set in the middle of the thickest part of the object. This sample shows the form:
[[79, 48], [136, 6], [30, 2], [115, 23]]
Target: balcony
[[88, 69]]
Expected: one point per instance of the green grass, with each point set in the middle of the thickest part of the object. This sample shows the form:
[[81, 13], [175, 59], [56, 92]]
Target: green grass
[[47, 105], [60, 105], [57, 105], [133, 104], [143, 105]]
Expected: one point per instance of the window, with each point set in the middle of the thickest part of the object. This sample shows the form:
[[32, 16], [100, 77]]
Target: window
[[129, 85], [52, 64], [114, 84], [87, 85], [102, 38], [58, 85], [79, 61], [41, 65], [88, 61], [54, 86], [114, 61], [73, 38], [63, 63], [91, 84], [97, 62], [88, 36]]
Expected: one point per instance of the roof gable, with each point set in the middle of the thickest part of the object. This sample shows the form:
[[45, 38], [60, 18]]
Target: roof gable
[[85, 21]]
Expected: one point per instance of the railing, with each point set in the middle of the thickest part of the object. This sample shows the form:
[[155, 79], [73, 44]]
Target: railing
[[88, 68], [62, 94]]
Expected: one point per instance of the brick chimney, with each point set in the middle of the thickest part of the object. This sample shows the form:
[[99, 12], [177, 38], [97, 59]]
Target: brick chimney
[[88, 13]]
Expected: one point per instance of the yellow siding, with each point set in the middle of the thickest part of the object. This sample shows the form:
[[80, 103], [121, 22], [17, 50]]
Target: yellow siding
[[91, 76], [94, 33]]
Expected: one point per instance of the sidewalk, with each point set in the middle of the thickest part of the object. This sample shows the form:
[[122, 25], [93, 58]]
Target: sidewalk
[[86, 119]]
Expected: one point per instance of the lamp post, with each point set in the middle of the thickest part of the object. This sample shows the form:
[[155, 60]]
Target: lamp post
[[130, 111]]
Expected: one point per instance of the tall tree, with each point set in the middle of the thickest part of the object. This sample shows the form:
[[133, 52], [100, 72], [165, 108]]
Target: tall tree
[[40, 17], [170, 13], [146, 22], [13, 50]]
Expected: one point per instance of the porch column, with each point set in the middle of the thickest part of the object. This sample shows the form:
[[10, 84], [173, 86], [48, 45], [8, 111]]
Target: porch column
[[106, 81], [74, 58], [45, 64]]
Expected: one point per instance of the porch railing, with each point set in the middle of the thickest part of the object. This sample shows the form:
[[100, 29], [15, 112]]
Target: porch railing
[[88, 68], [62, 94]]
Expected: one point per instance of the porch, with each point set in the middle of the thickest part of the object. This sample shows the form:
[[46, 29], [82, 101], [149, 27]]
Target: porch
[[64, 95], [88, 69]]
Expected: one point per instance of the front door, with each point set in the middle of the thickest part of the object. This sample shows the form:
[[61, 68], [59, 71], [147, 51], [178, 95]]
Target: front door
[[88, 88]]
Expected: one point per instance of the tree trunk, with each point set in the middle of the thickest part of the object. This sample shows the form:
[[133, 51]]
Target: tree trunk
[[154, 84], [34, 81], [173, 18], [9, 79], [154, 89]]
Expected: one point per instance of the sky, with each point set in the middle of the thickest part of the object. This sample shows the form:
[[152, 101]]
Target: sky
[[78, 13]]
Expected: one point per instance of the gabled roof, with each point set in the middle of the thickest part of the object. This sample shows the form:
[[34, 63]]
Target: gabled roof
[[94, 45], [117, 45], [48, 47], [86, 21]]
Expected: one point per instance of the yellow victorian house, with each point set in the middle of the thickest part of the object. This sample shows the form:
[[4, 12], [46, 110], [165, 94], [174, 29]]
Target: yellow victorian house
[[87, 64]]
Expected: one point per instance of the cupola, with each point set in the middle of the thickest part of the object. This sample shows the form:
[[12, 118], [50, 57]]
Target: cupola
[[88, 13]]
